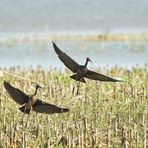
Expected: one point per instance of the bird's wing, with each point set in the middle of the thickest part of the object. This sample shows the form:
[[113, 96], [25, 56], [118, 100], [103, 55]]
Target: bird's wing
[[97, 76], [68, 61], [43, 107], [17, 95]]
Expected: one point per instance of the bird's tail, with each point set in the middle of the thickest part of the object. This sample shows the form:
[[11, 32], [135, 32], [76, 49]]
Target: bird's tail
[[24, 110], [75, 78]]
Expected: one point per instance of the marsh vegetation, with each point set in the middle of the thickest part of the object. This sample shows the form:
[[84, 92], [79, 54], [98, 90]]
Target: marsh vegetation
[[101, 115]]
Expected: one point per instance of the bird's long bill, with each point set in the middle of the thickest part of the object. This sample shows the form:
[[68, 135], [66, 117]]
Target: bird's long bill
[[91, 61], [41, 87]]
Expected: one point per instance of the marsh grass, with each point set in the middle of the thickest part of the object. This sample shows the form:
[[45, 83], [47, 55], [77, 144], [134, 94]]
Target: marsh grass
[[102, 115]]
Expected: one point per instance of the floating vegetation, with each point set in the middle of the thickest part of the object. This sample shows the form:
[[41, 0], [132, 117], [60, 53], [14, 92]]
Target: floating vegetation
[[102, 115]]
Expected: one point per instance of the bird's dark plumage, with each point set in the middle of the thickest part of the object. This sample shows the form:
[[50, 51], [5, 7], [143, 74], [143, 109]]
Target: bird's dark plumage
[[75, 78], [81, 71], [37, 105], [68, 61], [97, 76], [43, 107], [17, 95]]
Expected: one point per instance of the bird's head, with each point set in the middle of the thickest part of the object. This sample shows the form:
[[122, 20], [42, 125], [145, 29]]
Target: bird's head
[[38, 86], [88, 59]]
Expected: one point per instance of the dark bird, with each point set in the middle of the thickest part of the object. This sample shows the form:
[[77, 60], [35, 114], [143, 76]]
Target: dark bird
[[32, 101], [81, 71]]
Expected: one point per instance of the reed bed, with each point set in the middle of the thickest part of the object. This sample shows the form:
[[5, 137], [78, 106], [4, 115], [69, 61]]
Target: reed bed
[[101, 115]]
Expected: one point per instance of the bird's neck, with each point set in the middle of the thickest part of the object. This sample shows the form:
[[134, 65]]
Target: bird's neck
[[86, 63], [35, 93]]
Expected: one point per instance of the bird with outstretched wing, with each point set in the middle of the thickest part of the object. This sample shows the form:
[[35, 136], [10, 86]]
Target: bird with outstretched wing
[[81, 71], [38, 106]]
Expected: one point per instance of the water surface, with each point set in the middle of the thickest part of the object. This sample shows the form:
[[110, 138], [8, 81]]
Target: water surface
[[73, 16], [27, 54]]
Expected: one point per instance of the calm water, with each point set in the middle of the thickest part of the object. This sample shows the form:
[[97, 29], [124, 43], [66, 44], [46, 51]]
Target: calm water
[[126, 54], [72, 16]]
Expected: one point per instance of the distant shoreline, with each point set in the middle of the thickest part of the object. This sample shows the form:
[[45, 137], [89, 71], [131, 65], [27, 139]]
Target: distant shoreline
[[46, 36]]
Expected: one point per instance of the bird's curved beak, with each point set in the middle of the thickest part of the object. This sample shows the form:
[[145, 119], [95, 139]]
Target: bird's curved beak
[[90, 61], [40, 87]]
